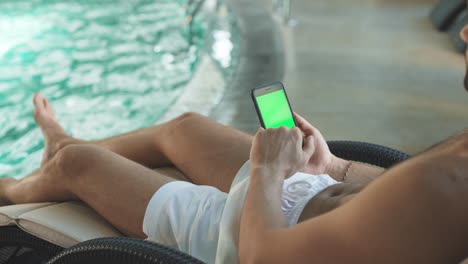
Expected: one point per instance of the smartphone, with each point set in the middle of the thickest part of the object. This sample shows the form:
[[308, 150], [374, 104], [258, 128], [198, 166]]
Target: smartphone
[[272, 105]]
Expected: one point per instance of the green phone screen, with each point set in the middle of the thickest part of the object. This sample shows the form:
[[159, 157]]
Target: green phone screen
[[275, 110]]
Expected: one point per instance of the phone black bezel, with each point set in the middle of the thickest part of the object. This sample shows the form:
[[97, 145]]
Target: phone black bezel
[[256, 105]]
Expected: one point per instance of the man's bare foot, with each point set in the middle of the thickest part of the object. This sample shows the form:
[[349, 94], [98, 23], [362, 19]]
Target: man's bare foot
[[54, 135]]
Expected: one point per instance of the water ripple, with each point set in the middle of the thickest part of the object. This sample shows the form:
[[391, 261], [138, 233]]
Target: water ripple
[[107, 66]]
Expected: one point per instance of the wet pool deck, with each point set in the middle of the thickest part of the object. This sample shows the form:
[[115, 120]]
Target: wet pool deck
[[365, 70], [261, 61]]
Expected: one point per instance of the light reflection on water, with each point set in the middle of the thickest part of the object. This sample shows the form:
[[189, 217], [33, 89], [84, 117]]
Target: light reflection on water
[[107, 66]]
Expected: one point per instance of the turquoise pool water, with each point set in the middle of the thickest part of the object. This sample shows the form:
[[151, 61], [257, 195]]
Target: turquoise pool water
[[107, 67]]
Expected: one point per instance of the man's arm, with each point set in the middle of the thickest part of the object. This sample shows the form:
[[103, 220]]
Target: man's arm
[[261, 213], [415, 213], [352, 171], [275, 155]]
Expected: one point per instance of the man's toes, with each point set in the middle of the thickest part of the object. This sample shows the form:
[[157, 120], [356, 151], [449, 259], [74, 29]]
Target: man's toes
[[42, 106], [34, 99], [41, 102], [38, 100], [47, 105]]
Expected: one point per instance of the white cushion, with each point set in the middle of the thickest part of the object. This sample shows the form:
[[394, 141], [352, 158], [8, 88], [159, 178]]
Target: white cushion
[[63, 224]]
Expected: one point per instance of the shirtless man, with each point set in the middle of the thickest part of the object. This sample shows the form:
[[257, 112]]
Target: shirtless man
[[415, 212]]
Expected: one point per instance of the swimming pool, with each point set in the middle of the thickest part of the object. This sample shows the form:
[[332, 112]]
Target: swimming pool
[[107, 67]]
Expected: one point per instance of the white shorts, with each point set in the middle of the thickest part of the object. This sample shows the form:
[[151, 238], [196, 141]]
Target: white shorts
[[186, 216]]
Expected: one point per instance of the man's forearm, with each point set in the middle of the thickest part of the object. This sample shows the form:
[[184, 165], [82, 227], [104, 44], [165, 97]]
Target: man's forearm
[[363, 173], [262, 209], [355, 172]]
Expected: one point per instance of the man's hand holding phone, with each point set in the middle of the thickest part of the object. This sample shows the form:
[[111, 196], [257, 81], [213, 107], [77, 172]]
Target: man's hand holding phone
[[274, 110], [281, 150], [322, 159]]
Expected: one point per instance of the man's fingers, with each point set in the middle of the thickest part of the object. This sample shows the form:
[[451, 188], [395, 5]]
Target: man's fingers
[[309, 146], [304, 125], [300, 120]]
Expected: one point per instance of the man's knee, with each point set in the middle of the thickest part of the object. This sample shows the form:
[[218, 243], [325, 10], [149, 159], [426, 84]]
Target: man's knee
[[178, 129], [189, 117], [72, 160], [187, 121]]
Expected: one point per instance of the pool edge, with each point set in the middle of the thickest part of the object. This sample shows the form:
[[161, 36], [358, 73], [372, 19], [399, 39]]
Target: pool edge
[[261, 59]]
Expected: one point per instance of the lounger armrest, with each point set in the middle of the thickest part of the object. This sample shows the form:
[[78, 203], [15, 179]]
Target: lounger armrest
[[122, 251]]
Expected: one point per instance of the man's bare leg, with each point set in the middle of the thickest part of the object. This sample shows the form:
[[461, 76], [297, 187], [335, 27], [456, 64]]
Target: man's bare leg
[[135, 145], [114, 185], [206, 152], [117, 188]]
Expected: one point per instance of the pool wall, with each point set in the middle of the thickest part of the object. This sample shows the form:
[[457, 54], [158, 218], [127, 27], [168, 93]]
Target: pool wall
[[214, 71], [260, 59]]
